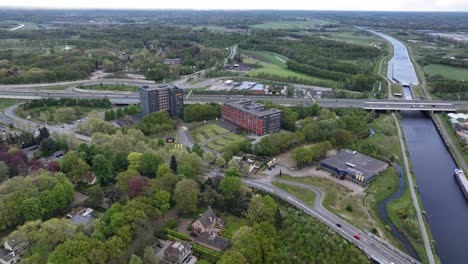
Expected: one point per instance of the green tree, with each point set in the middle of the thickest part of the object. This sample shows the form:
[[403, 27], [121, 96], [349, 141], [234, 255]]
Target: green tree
[[134, 160], [120, 162], [261, 208], [31, 208], [162, 201], [48, 147], [134, 259], [74, 251], [102, 169], [73, 166], [232, 256], [230, 186], [197, 149], [149, 163], [186, 195]]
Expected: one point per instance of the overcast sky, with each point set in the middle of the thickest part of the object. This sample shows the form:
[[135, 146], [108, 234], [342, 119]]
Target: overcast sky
[[387, 5]]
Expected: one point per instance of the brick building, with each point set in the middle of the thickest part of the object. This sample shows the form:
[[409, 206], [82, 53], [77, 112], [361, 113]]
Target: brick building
[[162, 97], [252, 117]]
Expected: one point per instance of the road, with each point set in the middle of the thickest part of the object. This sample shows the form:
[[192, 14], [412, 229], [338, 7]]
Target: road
[[379, 250], [30, 125]]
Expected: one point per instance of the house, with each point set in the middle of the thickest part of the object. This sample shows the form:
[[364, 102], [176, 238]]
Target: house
[[89, 178], [81, 215], [170, 139], [176, 61], [209, 223], [12, 250], [177, 252], [8, 257]]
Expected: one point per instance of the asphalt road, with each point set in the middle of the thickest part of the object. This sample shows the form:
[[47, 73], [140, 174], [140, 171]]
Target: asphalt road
[[379, 250]]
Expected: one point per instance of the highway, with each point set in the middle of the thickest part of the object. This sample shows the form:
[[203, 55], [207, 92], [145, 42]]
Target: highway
[[373, 246], [133, 98]]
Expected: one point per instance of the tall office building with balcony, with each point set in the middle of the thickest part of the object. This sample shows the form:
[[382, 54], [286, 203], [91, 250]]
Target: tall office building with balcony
[[162, 97]]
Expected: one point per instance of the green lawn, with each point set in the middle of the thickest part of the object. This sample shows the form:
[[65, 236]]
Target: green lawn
[[214, 136], [449, 72], [274, 64], [232, 224], [354, 38], [110, 87], [309, 24], [302, 194], [5, 103], [54, 88]]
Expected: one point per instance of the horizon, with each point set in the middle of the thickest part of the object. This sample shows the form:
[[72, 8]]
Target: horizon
[[245, 5]]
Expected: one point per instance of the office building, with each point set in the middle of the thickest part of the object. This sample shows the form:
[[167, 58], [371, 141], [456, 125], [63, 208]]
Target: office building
[[162, 97], [252, 117]]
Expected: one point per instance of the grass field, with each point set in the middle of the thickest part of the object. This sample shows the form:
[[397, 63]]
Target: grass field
[[232, 224], [275, 64], [110, 87], [302, 194], [214, 136], [449, 72], [354, 38], [5, 103], [309, 24]]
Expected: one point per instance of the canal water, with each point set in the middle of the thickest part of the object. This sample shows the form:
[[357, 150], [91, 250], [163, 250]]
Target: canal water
[[445, 206], [382, 208]]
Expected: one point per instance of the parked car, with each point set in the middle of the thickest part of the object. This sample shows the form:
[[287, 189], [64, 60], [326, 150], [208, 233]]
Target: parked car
[[338, 225]]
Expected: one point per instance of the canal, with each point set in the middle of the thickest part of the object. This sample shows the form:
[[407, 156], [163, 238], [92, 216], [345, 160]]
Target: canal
[[446, 207]]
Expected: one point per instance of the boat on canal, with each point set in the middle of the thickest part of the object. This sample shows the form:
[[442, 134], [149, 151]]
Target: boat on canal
[[462, 181]]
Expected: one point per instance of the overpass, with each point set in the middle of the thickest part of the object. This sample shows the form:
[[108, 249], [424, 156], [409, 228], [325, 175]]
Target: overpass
[[368, 104]]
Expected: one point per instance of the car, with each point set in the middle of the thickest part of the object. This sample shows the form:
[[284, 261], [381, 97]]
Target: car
[[188, 259], [413, 106], [421, 106], [357, 237], [338, 225]]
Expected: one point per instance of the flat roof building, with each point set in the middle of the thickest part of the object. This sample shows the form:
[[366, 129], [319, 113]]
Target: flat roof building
[[355, 166], [252, 117], [177, 252], [162, 97]]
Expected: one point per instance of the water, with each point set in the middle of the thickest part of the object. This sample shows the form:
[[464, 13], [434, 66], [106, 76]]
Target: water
[[400, 67], [444, 203], [433, 166], [382, 208]]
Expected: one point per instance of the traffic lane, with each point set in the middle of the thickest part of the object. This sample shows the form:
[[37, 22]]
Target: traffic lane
[[348, 231]]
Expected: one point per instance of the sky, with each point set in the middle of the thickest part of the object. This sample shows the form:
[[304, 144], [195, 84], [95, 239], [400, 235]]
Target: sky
[[368, 5]]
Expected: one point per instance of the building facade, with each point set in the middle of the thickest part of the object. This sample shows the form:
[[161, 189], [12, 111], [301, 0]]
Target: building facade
[[162, 98], [252, 117]]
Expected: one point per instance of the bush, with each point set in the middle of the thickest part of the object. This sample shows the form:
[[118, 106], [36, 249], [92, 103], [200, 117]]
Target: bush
[[206, 253], [172, 224]]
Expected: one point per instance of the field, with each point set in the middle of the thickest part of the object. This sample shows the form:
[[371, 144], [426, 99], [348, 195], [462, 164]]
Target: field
[[309, 24], [354, 38], [302, 194], [110, 87], [5, 103], [214, 136], [275, 64], [232, 224], [449, 72]]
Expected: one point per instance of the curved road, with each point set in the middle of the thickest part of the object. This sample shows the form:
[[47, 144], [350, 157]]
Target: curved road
[[373, 246]]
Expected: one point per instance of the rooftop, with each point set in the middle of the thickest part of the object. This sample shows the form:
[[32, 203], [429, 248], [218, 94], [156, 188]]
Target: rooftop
[[355, 163], [176, 248], [157, 87], [252, 108]]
